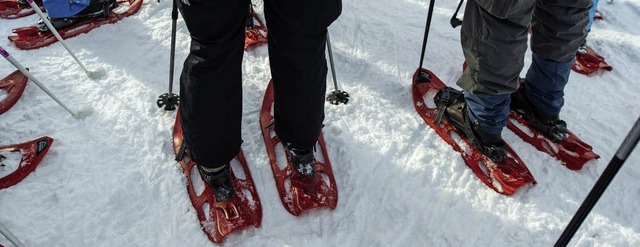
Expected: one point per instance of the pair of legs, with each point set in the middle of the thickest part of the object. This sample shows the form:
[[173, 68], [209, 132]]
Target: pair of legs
[[211, 80], [494, 41]]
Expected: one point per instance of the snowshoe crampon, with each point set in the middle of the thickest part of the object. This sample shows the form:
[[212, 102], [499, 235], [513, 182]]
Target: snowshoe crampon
[[293, 188], [504, 177], [219, 219], [14, 84], [255, 30], [588, 61], [32, 153], [12, 9], [27, 38]]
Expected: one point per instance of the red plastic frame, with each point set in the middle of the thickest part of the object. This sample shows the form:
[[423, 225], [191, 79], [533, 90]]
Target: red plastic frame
[[32, 153], [589, 62], [257, 34], [296, 200], [504, 177], [229, 216], [14, 84], [11, 9]]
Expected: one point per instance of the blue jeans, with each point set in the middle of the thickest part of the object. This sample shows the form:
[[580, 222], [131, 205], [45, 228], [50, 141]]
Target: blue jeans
[[544, 87]]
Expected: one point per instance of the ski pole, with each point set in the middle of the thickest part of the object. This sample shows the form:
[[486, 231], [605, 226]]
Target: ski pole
[[12, 238], [598, 189], [81, 114], [455, 21], [170, 100], [337, 96], [423, 76], [91, 74]]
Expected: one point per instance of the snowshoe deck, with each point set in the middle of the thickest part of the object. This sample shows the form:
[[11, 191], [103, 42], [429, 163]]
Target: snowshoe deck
[[27, 38], [219, 219], [12, 9], [291, 187], [589, 62], [256, 33], [504, 177], [14, 84], [571, 152], [32, 153]]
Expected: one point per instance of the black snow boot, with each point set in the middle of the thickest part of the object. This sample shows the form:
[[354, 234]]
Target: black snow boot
[[454, 107], [219, 181], [550, 126], [96, 9], [303, 161]]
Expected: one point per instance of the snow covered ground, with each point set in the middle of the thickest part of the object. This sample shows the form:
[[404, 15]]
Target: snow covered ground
[[111, 180]]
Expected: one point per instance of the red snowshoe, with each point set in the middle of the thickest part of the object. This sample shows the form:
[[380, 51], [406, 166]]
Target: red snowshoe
[[598, 15], [32, 153], [504, 177], [588, 61], [255, 30], [292, 187], [27, 38], [12, 9], [14, 84], [219, 219]]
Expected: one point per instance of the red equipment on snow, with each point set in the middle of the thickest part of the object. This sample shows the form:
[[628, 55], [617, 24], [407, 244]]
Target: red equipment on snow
[[598, 15], [589, 61], [255, 31], [297, 193], [32, 153], [14, 84], [27, 38], [504, 177], [571, 152], [12, 9], [219, 219]]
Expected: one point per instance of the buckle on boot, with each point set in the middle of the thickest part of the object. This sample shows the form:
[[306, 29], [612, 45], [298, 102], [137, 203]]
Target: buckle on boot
[[442, 100]]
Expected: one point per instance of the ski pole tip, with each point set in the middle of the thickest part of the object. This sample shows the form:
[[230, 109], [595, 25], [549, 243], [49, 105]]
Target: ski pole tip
[[83, 113]]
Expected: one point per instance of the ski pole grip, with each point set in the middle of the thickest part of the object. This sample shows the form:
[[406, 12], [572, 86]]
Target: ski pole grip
[[4, 52]]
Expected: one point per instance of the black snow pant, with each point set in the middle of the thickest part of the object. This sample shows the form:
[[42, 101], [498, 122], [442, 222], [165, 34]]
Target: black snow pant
[[211, 80], [494, 39]]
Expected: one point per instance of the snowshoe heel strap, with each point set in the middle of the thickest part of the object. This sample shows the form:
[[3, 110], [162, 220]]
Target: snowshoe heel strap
[[443, 99]]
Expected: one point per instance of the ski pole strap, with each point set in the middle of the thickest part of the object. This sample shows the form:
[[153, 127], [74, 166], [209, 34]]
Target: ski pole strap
[[605, 179]]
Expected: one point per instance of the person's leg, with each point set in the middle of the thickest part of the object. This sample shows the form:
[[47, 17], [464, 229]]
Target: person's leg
[[211, 80], [494, 40], [297, 42], [558, 30]]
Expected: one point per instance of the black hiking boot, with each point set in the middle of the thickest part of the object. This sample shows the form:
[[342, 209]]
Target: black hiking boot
[[550, 126], [302, 160], [454, 108], [219, 180], [97, 9]]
